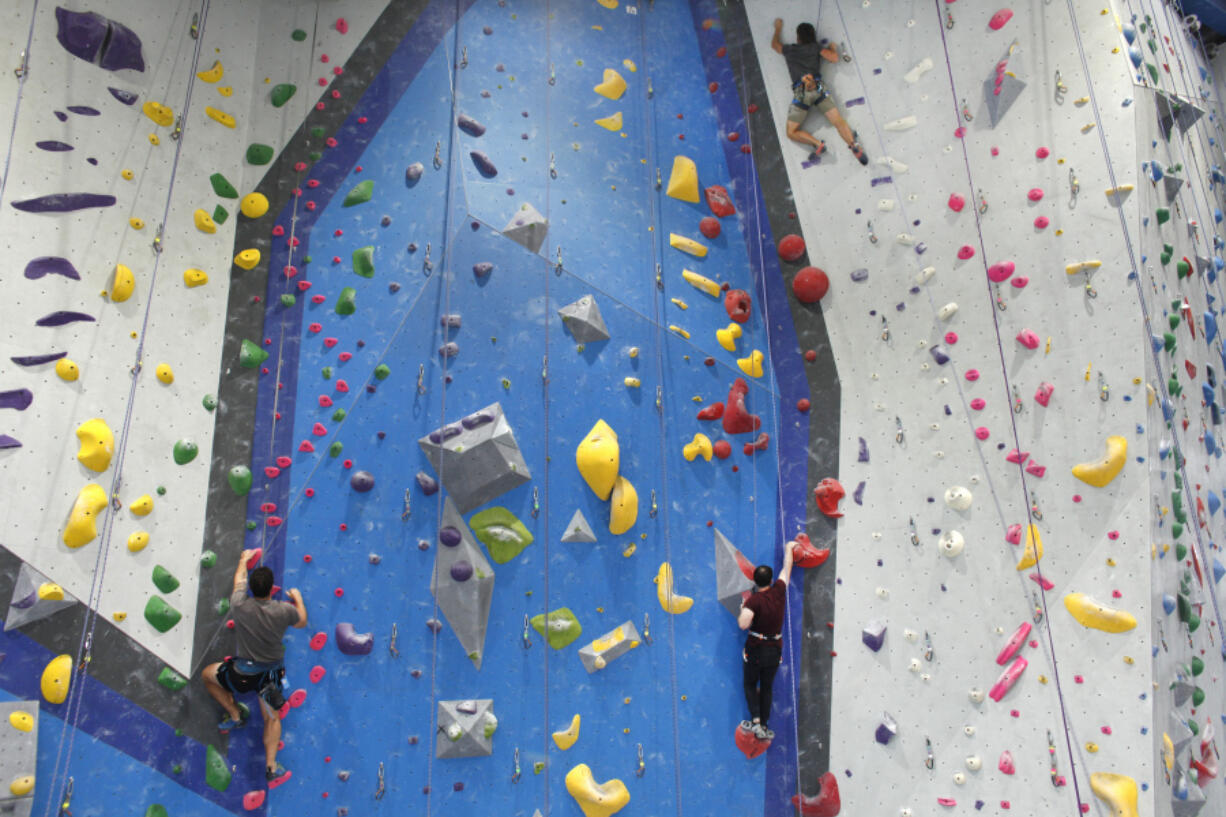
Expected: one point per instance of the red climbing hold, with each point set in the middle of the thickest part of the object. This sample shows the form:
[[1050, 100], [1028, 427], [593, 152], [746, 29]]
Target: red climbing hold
[[761, 443], [721, 52], [827, 494], [284, 462], [318, 299], [719, 201], [319, 640], [330, 342], [255, 558], [325, 401], [713, 87], [753, 107], [341, 25], [712, 412], [297, 698], [810, 355], [737, 419], [750, 745], [722, 449], [803, 404], [825, 803], [791, 247], [272, 471], [317, 674], [318, 430], [1190, 367], [252, 800], [345, 357], [738, 305], [810, 285], [306, 447], [273, 521], [709, 227], [807, 555], [315, 328], [341, 385]]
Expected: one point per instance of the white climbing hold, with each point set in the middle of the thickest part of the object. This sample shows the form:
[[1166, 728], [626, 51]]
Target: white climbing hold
[[921, 68], [902, 123]]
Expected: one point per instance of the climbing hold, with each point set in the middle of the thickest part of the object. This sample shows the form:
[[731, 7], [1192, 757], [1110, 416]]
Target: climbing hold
[[185, 451], [596, 799], [958, 498], [362, 481], [216, 771], [219, 116], [584, 321], [701, 283], [1119, 792], [97, 444], [956, 202], [1000, 271], [204, 222], [239, 478], [164, 580], [611, 123], [612, 87], [247, 259], [346, 302], [999, 19], [1100, 473], [1089, 612], [966, 251], [137, 541], [562, 630], [67, 370], [1034, 548], [826, 803], [1008, 678], [727, 336], [671, 602], [810, 285], [683, 180], [364, 261], [951, 544], [598, 458], [251, 354], [738, 305], [791, 247], [485, 166], [709, 227], [282, 93], [687, 245], [1043, 393], [21, 721], [142, 506], [351, 642], [57, 675], [751, 365], [159, 113], [164, 373], [624, 508], [222, 187], [827, 495], [360, 194], [83, 519], [1028, 338], [160, 615], [194, 278], [567, 737], [213, 74], [122, 284], [254, 205], [718, 201], [503, 535], [736, 418], [699, 447]]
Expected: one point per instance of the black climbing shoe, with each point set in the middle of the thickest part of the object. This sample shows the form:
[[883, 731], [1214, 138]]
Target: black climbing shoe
[[858, 152], [276, 776], [816, 155], [228, 723]]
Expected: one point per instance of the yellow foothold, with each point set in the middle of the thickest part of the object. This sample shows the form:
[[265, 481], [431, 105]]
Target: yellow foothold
[[567, 737], [142, 506], [751, 365], [683, 181], [700, 446], [204, 222], [1082, 266], [220, 116], [1089, 612], [254, 205], [138, 541], [624, 510], [1118, 791], [21, 721], [50, 591], [212, 74], [598, 458], [56, 677], [136, 223], [164, 373], [122, 284], [630, 66], [82, 525], [671, 602], [701, 283], [1092, 747], [1042, 679], [677, 302], [1087, 127], [609, 4], [159, 113], [1128, 659], [727, 337], [596, 799], [21, 786], [225, 90], [611, 123], [154, 140], [1034, 548], [613, 86], [195, 278], [632, 382], [672, 327], [633, 352], [119, 615], [629, 551], [687, 245], [247, 259], [128, 175], [1100, 473], [67, 370]]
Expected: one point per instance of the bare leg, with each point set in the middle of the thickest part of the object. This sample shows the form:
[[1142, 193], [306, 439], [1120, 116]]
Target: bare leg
[[272, 734], [219, 693], [840, 124], [804, 138]]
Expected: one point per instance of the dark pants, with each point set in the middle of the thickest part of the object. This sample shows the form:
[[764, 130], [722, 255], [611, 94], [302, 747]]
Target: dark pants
[[762, 659]]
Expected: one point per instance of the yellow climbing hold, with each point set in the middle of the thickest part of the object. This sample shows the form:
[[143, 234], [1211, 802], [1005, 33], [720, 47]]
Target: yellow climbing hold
[[254, 205], [1089, 612], [220, 116], [138, 541], [143, 506], [136, 223], [165, 373], [1034, 548], [21, 786], [212, 74], [609, 4], [247, 259], [613, 86], [50, 591], [701, 283], [1082, 266], [624, 510], [82, 524], [751, 365], [611, 123], [630, 66], [1168, 752], [632, 382], [128, 175], [1116, 195], [159, 113], [683, 181], [727, 337], [1118, 791], [67, 370], [680, 242], [596, 799], [598, 458], [672, 327], [154, 140], [119, 615], [225, 90], [670, 601], [700, 446], [122, 284], [204, 222], [56, 677], [567, 737], [21, 721], [1101, 472], [195, 278]]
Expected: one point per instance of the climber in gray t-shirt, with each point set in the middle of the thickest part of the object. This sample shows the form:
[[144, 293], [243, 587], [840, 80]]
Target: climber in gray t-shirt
[[256, 666]]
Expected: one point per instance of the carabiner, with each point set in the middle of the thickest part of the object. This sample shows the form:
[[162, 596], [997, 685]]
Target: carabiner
[[1034, 506], [966, 111], [872, 236], [1018, 405], [983, 203], [900, 437], [949, 20], [915, 540], [1104, 391], [1000, 300]]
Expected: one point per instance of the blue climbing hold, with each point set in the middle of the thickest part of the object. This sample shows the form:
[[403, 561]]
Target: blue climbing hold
[[1210, 326], [1157, 342], [1218, 570], [1215, 503], [1136, 56], [1130, 33], [1206, 392], [1210, 443], [1217, 214], [1168, 603]]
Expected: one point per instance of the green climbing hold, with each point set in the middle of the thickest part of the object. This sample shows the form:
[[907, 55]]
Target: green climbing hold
[[1198, 666], [1173, 386], [171, 679], [164, 580], [223, 606], [364, 262], [239, 479], [259, 154], [563, 627], [185, 451], [339, 415], [216, 773], [335, 449], [282, 92], [1153, 75], [315, 155], [318, 132], [160, 614], [1176, 530], [1198, 696], [220, 214], [208, 559], [346, 302], [156, 810], [222, 186], [382, 371], [209, 402], [1173, 320], [299, 35], [1164, 215], [250, 355], [1181, 551], [501, 532], [361, 193], [1182, 268], [251, 525], [1167, 252], [161, 490], [326, 371], [1168, 342], [1153, 45], [1193, 727], [288, 300], [1183, 606]]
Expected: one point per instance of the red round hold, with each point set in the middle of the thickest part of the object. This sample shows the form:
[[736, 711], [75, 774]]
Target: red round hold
[[722, 449], [738, 305], [709, 227], [811, 355], [791, 247], [802, 404], [810, 285]]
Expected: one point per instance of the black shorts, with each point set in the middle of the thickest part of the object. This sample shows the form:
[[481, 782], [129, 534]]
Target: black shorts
[[267, 684]]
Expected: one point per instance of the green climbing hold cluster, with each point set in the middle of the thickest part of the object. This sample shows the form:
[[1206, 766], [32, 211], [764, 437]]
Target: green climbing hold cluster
[[501, 532], [347, 301], [222, 187], [364, 262], [185, 451], [562, 630], [160, 615], [251, 355], [281, 93], [164, 580], [216, 773], [239, 479], [171, 679], [259, 154], [1167, 252], [382, 371]]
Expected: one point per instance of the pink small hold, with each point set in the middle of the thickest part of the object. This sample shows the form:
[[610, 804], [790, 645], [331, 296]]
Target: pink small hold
[[252, 800], [1042, 395], [982, 433], [956, 202], [319, 640], [342, 386], [1115, 594], [1004, 804], [948, 802], [972, 375], [1017, 457], [345, 357], [1013, 535], [1106, 730], [966, 251], [1042, 581], [951, 338], [1036, 470], [959, 133], [1113, 535], [317, 674], [297, 698], [315, 328], [1000, 271], [1077, 498], [1019, 282], [1042, 153], [1006, 764], [978, 404], [1041, 222], [1035, 194], [330, 342], [318, 299], [1028, 338], [995, 150], [1085, 807], [999, 19], [342, 25]]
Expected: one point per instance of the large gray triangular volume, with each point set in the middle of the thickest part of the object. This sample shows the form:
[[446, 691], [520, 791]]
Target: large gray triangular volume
[[465, 729], [999, 104], [732, 571], [527, 227], [584, 321], [1171, 185], [462, 582], [1187, 797], [28, 605], [579, 530], [477, 458]]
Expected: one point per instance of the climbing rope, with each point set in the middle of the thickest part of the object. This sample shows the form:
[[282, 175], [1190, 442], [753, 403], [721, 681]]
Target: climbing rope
[[546, 735], [21, 72]]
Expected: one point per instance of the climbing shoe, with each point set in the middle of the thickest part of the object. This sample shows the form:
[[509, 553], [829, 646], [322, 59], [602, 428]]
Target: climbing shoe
[[858, 152], [746, 726], [228, 723], [276, 776], [760, 732], [816, 155]]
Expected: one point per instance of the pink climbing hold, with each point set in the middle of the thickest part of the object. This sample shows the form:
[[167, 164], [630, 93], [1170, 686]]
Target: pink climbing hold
[[1042, 395], [1113, 535], [948, 802], [315, 328], [1000, 271], [1019, 282], [1013, 534], [319, 430], [345, 357], [1006, 764], [330, 342], [1017, 457], [1036, 470], [284, 461], [252, 800], [342, 386], [1042, 581], [1028, 338], [342, 25], [297, 698], [956, 202], [951, 338], [325, 401], [978, 404], [1035, 194], [306, 447], [999, 19], [317, 674], [319, 640], [1041, 222], [966, 251], [972, 375], [810, 285], [254, 561], [1042, 153], [959, 132], [982, 433], [791, 247]]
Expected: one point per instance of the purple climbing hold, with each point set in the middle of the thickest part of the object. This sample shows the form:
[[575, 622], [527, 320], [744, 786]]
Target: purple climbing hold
[[362, 481], [51, 265], [84, 110], [939, 355], [449, 349], [487, 30], [427, 483], [60, 115], [461, 570], [92, 37], [37, 360], [445, 433], [393, 287], [122, 50], [27, 602], [477, 419], [19, 399], [469, 125], [483, 164], [450, 536], [91, 160], [53, 146], [434, 624], [353, 643], [126, 97], [857, 495], [859, 275], [9, 442], [62, 317], [873, 635], [63, 202], [482, 269], [863, 451]]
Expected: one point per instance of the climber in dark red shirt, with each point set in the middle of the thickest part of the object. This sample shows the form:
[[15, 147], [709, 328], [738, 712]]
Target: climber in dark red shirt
[[762, 616]]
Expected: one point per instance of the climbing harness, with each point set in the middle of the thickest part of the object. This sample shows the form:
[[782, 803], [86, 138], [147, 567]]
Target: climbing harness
[[1034, 507]]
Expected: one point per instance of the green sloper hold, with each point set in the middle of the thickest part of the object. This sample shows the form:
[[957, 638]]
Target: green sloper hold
[[216, 773], [1168, 342], [223, 607], [1176, 530], [501, 532], [164, 580], [185, 451], [161, 615], [299, 35], [281, 93], [220, 214], [288, 299], [1163, 214], [222, 186], [364, 262], [259, 154], [1198, 666], [1183, 269], [1173, 320], [239, 478], [156, 810], [361, 193], [1153, 76], [1167, 252], [382, 371], [1198, 696], [171, 679], [1181, 552], [208, 559], [209, 402], [250, 354], [1193, 727], [347, 301], [336, 448], [564, 628]]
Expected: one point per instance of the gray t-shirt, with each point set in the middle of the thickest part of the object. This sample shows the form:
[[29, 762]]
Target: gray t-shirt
[[259, 626]]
